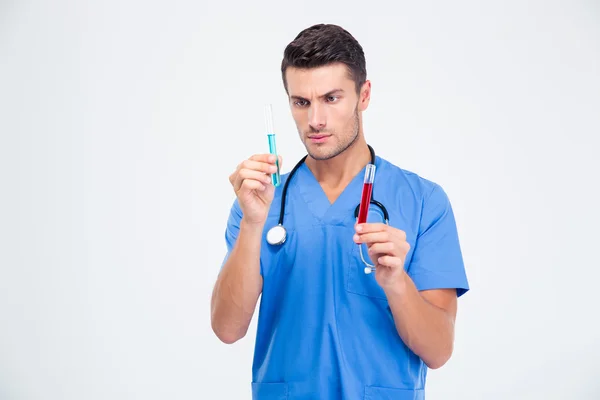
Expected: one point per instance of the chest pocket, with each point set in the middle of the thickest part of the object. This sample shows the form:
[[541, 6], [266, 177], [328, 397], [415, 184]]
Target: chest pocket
[[357, 281]]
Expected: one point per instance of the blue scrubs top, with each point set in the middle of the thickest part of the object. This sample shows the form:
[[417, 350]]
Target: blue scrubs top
[[325, 329]]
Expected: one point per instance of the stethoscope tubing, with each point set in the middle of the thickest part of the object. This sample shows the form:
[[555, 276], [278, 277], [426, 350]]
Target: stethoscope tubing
[[277, 234]]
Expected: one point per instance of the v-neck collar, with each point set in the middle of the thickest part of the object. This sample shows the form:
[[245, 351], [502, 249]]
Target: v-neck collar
[[316, 199]]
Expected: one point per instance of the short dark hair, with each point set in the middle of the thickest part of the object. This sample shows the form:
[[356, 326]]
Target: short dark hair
[[324, 44]]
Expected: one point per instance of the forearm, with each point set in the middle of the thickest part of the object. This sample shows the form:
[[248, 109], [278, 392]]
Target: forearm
[[238, 286], [425, 328]]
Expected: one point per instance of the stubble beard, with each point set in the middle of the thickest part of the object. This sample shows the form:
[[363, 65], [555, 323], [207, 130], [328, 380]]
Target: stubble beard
[[341, 146]]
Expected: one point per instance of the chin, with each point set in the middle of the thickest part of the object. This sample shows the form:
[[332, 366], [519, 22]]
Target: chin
[[321, 151]]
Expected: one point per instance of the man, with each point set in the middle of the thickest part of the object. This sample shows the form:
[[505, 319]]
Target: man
[[326, 329]]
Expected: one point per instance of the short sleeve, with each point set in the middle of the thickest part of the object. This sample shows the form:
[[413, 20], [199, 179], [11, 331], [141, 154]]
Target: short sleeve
[[233, 228], [437, 261]]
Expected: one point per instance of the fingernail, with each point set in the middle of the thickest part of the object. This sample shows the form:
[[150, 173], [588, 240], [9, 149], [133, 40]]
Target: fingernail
[[356, 238], [358, 228]]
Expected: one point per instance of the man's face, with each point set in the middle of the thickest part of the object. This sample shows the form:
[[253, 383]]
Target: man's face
[[326, 108]]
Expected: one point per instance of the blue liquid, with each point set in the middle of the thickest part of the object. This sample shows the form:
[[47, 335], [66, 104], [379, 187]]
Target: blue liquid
[[275, 178]]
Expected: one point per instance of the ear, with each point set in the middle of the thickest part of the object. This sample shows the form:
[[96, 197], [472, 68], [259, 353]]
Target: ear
[[364, 96]]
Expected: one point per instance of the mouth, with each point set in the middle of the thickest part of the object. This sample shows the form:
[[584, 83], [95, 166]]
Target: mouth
[[318, 138]]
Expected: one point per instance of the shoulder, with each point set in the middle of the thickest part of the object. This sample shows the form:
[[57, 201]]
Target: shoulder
[[402, 180]]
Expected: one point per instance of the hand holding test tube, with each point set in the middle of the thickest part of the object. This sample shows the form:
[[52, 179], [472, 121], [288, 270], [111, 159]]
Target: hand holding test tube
[[275, 178]]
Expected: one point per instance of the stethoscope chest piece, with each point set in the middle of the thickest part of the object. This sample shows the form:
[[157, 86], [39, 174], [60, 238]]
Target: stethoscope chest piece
[[276, 235]]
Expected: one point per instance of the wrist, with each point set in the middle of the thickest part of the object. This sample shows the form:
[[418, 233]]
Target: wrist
[[398, 286], [251, 227]]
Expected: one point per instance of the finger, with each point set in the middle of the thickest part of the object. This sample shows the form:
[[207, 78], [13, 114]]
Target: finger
[[371, 227], [398, 233], [386, 248], [375, 237], [264, 167], [390, 249], [280, 162], [390, 261], [253, 175], [266, 158], [250, 184], [250, 175], [381, 227]]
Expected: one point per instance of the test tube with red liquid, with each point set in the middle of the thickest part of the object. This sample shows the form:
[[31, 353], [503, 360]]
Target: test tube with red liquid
[[367, 192]]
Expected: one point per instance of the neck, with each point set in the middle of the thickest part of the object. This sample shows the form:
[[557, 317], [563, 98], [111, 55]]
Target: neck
[[338, 171]]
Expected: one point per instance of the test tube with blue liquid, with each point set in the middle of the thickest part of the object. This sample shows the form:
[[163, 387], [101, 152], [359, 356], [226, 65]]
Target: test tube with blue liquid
[[275, 178]]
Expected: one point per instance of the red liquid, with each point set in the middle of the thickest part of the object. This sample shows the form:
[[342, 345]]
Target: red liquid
[[365, 202]]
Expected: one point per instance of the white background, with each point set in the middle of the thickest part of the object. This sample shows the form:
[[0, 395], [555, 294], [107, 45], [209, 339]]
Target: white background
[[120, 122]]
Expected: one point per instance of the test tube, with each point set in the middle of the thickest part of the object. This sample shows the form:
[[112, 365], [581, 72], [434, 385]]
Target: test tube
[[367, 192], [275, 178]]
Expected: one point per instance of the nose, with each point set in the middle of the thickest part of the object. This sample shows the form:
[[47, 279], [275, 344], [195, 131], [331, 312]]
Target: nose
[[316, 117]]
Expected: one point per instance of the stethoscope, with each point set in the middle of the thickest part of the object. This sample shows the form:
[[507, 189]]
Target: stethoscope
[[277, 234]]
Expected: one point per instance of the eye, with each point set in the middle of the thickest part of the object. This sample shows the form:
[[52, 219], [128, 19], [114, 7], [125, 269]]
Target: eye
[[332, 99], [301, 103]]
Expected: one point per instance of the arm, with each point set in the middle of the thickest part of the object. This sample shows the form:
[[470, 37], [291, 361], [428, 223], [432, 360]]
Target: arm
[[238, 286], [423, 296], [424, 320], [240, 282]]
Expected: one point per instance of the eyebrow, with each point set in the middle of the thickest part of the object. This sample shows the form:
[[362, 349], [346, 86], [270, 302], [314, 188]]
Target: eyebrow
[[331, 92]]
